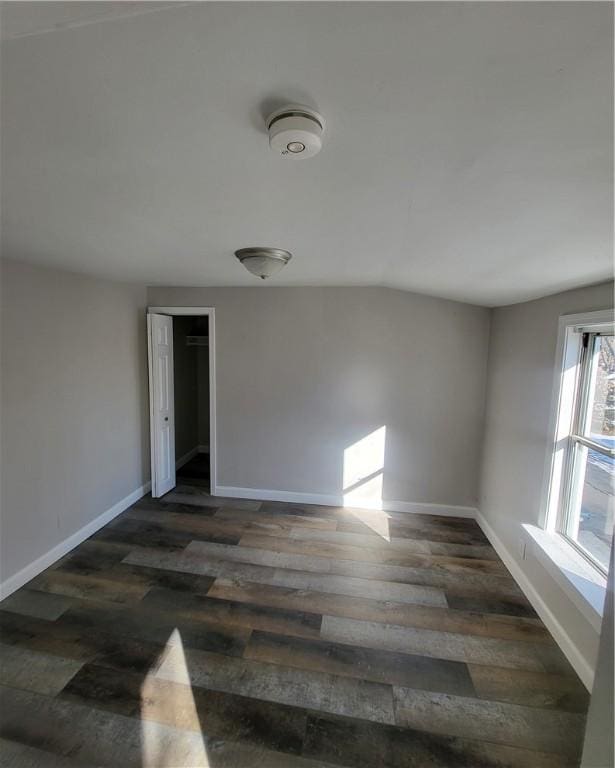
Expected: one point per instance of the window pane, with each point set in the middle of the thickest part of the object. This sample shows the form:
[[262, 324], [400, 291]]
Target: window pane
[[597, 504], [601, 402]]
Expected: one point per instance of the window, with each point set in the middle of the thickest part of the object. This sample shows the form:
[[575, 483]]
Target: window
[[586, 507]]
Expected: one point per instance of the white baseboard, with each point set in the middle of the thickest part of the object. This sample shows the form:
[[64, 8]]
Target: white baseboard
[[186, 457], [23, 576], [579, 663], [337, 500], [423, 508]]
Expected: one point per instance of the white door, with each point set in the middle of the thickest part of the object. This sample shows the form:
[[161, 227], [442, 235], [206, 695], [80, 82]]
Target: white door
[[162, 416]]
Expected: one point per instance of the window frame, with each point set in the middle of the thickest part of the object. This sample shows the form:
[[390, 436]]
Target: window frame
[[578, 440], [572, 380]]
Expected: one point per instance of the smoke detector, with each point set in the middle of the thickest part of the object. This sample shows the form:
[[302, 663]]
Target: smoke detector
[[295, 131]]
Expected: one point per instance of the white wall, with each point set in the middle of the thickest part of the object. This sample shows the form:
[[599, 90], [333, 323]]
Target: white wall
[[304, 373], [522, 351], [74, 406]]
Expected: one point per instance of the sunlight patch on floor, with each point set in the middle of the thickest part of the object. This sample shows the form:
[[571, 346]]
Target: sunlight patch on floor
[[377, 520], [170, 727]]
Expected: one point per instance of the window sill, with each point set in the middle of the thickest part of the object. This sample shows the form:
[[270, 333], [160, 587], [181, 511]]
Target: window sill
[[584, 585]]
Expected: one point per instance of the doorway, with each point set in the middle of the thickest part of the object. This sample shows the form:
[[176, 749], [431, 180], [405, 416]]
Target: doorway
[[181, 362]]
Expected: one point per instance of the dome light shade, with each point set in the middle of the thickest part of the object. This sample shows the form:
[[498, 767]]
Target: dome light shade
[[263, 262]]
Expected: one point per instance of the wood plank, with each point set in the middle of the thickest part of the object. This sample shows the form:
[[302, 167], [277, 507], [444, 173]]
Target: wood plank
[[92, 587], [92, 557], [133, 575], [510, 724], [418, 545], [45, 726], [288, 521], [411, 531], [103, 644], [171, 507], [284, 685], [361, 663], [384, 611], [375, 517], [33, 671], [370, 745], [213, 714], [157, 627], [356, 587], [112, 551], [191, 523], [289, 565], [190, 494], [159, 578], [304, 548], [101, 738], [53, 638], [42, 605], [233, 614], [484, 604], [533, 689], [301, 510], [194, 561], [444, 521], [147, 534], [258, 556], [538, 657], [17, 755], [461, 583]]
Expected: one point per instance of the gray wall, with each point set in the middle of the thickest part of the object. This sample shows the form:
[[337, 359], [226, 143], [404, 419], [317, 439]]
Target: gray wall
[[185, 374], [303, 373], [521, 368], [598, 749], [74, 405]]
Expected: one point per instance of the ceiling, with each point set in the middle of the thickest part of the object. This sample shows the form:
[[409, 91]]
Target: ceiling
[[468, 151]]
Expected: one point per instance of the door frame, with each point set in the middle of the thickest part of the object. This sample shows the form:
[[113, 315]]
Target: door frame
[[210, 313]]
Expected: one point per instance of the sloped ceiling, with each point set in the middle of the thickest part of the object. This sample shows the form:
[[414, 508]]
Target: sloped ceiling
[[468, 151]]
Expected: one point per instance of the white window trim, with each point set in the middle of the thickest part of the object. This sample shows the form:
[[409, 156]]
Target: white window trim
[[583, 583]]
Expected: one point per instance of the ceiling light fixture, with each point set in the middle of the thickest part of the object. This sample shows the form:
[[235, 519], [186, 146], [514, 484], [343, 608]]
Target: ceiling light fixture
[[263, 262], [295, 131]]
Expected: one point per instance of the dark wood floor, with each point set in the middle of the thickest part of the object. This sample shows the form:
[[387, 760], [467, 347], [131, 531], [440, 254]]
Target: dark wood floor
[[195, 631]]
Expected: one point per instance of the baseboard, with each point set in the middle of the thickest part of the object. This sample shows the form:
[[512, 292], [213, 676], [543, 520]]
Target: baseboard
[[337, 500], [23, 576], [423, 508], [187, 456], [579, 663]]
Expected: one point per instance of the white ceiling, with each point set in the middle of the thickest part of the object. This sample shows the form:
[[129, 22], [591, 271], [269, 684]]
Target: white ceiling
[[468, 151]]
